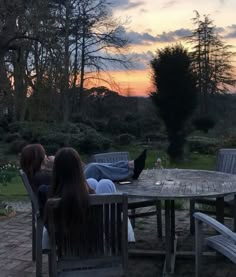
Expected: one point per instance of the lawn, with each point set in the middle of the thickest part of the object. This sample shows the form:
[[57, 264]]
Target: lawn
[[193, 161], [14, 190]]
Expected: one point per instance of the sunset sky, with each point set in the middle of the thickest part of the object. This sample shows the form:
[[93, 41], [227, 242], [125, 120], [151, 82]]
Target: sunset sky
[[157, 23]]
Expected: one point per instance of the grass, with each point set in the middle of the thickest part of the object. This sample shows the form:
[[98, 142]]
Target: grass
[[14, 190], [193, 161]]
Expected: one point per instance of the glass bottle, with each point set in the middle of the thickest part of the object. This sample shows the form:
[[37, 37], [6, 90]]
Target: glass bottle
[[159, 163]]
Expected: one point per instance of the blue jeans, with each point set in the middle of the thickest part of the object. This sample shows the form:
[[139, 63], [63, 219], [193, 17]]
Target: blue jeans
[[117, 171]]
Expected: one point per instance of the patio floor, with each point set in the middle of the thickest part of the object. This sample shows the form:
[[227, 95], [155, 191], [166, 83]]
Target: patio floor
[[15, 250]]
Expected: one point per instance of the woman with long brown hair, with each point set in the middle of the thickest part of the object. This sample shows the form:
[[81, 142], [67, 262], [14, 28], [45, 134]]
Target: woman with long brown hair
[[69, 184], [32, 160]]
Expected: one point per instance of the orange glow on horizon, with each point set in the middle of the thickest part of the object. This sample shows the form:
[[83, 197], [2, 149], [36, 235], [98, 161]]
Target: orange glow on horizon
[[127, 83]]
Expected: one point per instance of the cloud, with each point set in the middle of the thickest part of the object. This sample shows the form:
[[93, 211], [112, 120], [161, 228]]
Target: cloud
[[126, 4], [141, 61], [143, 10], [147, 38], [169, 4], [219, 30], [230, 31], [138, 61]]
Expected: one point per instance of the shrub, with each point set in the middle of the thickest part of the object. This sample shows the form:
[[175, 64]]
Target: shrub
[[115, 125], [87, 141], [51, 149], [100, 125], [156, 137], [204, 123], [7, 172], [16, 146], [68, 128], [14, 127], [203, 145], [30, 131], [4, 121], [1, 132], [12, 137], [230, 141], [93, 143], [61, 139], [125, 139]]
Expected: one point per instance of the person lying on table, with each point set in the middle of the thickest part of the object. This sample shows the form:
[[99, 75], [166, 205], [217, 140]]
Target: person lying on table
[[38, 167]]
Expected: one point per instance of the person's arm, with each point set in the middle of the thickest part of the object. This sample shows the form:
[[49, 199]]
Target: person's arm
[[48, 163], [42, 177]]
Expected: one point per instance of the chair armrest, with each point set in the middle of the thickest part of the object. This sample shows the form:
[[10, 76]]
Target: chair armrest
[[222, 229]]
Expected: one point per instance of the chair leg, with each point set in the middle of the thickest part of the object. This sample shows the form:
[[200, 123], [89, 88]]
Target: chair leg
[[220, 209], [159, 218], [33, 238], [198, 248], [133, 218], [49, 264], [233, 212], [39, 254], [192, 210]]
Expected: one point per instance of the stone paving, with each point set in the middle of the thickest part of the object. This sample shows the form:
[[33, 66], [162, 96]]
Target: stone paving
[[15, 249]]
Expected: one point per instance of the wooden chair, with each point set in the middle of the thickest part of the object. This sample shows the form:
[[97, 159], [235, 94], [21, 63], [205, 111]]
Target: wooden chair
[[134, 204], [226, 162], [225, 242], [110, 157], [99, 248], [37, 225]]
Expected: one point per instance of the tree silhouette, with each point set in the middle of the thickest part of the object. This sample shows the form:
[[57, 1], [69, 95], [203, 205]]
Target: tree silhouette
[[211, 60], [176, 96]]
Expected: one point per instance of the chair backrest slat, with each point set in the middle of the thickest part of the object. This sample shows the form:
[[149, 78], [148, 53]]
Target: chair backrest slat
[[226, 160], [110, 157], [102, 236]]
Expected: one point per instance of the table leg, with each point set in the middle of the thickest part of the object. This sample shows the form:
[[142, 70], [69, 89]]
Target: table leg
[[169, 238], [172, 207], [220, 209], [234, 212]]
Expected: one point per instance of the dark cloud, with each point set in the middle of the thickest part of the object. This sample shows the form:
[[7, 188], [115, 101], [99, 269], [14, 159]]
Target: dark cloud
[[147, 38], [126, 4], [139, 61]]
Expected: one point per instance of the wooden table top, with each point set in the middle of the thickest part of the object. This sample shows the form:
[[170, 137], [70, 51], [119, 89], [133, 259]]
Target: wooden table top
[[180, 183]]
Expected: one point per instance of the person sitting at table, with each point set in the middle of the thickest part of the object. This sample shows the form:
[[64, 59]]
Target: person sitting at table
[[70, 184], [38, 166]]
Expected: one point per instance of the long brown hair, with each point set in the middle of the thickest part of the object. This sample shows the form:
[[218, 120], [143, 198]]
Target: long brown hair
[[31, 159], [69, 184]]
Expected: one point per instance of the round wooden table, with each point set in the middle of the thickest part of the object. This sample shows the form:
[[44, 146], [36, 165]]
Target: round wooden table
[[171, 184]]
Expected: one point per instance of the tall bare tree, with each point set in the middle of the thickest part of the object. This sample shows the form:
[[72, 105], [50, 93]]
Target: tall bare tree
[[102, 41], [52, 45], [211, 59]]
